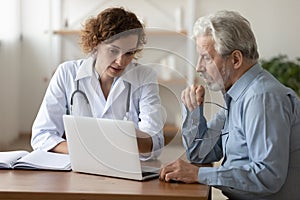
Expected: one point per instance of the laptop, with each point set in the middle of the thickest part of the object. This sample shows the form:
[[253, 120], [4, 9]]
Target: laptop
[[105, 147]]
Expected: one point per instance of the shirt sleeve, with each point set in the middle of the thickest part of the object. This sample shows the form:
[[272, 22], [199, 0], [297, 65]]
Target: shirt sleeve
[[47, 129], [150, 114], [267, 124], [201, 139]]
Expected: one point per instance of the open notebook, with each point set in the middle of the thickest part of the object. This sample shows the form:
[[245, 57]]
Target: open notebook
[[37, 159], [105, 147]]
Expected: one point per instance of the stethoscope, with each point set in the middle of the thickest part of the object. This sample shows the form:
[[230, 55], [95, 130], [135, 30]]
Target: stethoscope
[[80, 92]]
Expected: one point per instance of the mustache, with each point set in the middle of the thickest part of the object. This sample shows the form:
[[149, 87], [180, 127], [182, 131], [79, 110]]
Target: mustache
[[206, 76]]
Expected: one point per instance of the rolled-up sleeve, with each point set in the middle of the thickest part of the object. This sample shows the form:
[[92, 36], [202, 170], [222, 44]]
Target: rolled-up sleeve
[[201, 139], [150, 114]]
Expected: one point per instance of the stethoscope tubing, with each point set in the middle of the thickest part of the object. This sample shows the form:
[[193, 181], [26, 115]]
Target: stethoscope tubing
[[126, 117], [78, 91]]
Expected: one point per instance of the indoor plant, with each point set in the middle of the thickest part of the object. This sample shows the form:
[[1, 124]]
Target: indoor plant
[[285, 70]]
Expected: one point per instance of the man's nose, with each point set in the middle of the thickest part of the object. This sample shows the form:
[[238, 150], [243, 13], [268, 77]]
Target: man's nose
[[200, 65]]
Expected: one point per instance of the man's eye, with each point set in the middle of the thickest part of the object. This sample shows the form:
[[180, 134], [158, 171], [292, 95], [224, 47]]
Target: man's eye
[[207, 59]]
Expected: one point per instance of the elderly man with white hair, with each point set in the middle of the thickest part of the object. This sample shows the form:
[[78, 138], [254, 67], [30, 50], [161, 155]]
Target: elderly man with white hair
[[257, 132]]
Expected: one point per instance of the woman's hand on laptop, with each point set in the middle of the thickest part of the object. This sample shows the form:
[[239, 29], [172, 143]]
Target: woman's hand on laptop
[[144, 141], [61, 148], [179, 171]]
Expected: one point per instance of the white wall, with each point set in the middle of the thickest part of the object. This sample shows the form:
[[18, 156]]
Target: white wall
[[36, 61], [10, 66], [275, 24]]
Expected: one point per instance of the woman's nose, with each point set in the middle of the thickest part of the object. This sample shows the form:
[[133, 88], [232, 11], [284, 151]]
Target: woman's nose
[[121, 60]]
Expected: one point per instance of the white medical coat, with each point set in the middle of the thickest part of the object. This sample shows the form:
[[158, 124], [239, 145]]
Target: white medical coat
[[145, 107]]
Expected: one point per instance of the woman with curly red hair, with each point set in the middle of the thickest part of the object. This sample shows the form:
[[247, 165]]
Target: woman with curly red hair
[[107, 84]]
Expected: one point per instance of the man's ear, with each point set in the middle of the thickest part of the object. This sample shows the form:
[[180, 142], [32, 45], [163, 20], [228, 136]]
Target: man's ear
[[237, 59]]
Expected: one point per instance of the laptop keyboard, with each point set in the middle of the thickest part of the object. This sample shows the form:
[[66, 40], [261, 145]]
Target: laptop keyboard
[[148, 173]]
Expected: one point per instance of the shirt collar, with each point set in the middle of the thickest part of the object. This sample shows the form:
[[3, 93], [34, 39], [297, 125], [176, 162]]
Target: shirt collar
[[240, 86], [86, 68]]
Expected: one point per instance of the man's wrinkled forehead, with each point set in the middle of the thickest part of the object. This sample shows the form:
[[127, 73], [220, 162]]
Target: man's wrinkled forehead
[[205, 44]]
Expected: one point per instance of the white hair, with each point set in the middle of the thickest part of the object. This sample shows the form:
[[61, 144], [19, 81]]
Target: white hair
[[230, 31]]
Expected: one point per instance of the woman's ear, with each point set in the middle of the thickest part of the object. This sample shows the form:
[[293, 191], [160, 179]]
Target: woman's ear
[[237, 58], [95, 50]]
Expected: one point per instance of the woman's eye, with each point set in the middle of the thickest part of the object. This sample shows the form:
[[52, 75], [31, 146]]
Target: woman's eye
[[130, 53], [114, 51]]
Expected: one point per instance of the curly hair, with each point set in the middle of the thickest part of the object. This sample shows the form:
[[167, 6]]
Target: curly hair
[[108, 25]]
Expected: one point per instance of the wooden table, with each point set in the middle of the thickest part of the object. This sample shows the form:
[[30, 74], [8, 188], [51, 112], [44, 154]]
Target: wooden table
[[30, 184]]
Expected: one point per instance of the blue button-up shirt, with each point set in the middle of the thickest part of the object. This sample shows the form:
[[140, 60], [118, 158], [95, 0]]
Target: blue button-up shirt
[[258, 137]]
